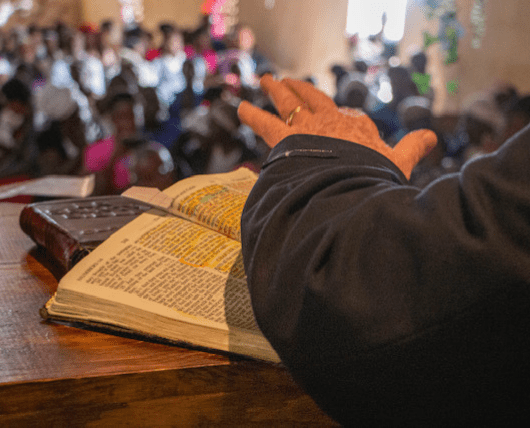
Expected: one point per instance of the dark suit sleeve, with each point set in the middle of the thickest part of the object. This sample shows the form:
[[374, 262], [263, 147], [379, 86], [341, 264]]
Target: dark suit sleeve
[[387, 303]]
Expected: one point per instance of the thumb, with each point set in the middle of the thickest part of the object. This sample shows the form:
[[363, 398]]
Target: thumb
[[412, 148]]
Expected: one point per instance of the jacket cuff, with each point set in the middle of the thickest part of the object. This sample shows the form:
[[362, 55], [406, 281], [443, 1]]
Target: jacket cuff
[[314, 146]]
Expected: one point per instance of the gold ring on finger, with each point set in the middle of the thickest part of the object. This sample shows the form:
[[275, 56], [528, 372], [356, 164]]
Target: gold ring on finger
[[289, 120]]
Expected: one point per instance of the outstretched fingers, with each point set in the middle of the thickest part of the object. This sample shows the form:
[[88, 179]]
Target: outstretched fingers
[[284, 99], [412, 148], [268, 126], [316, 100]]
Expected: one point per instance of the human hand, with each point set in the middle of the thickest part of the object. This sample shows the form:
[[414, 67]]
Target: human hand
[[304, 109]]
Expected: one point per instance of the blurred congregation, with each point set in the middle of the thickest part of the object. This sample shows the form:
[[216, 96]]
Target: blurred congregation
[[138, 106], [104, 100]]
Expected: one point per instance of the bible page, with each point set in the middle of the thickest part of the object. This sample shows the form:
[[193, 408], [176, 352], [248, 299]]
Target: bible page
[[168, 266], [214, 200]]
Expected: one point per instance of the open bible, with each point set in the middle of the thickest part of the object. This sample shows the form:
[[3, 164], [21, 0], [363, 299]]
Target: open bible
[[175, 272]]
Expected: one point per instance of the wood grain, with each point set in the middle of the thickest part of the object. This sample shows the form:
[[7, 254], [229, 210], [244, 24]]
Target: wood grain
[[242, 394], [15, 244], [58, 375]]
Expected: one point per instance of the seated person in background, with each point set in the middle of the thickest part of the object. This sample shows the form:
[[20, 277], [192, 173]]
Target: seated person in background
[[193, 94], [241, 43], [418, 65], [169, 65], [127, 83], [227, 147], [390, 305], [385, 114], [504, 95], [200, 49], [415, 113], [109, 158], [339, 71], [5, 70], [152, 165], [215, 141], [91, 70], [517, 116], [18, 151], [184, 103], [152, 109], [110, 39], [352, 91], [126, 158], [61, 132], [482, 123], [151, 51], [133, 55]]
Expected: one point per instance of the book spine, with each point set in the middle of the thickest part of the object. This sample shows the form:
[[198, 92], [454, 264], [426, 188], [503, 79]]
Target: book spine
[[48, 234]]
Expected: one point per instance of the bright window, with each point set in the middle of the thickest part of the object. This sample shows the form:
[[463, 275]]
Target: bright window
[[365, 18]]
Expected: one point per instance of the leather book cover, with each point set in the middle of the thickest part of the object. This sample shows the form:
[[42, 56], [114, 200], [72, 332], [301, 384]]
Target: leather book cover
[[70, 228]]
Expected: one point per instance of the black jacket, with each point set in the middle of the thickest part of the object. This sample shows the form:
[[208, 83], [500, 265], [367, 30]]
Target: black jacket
[[391, 305]]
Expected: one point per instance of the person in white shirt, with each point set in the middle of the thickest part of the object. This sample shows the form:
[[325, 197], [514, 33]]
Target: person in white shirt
[[169, 65]]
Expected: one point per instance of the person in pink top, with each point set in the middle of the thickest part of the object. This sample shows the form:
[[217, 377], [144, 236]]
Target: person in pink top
[[109, 158]]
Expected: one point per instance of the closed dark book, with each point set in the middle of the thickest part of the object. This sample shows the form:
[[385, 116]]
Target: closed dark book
[[69, 229]]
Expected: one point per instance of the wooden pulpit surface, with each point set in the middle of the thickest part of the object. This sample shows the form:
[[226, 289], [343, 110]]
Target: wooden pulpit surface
[[59, 375]]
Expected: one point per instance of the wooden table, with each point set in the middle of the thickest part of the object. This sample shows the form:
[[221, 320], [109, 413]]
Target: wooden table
[[62, 376]]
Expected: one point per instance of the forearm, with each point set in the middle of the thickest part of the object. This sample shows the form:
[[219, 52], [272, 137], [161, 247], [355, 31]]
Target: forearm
[[294, 211], [344, 260]]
